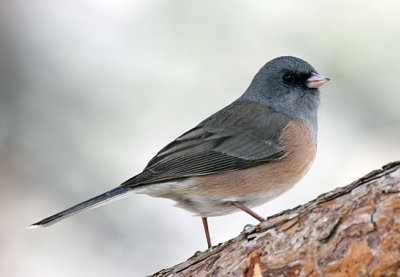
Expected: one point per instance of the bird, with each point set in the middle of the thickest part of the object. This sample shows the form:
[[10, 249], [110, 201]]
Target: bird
[[241, 157]]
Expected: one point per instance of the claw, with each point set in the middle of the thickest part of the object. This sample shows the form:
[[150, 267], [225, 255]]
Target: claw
[[247, 227]]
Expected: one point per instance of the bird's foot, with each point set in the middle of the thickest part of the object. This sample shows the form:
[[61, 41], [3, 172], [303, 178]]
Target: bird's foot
[[247, 227]]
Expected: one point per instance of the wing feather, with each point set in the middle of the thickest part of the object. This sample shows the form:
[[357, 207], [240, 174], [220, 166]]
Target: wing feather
[[240, 136]]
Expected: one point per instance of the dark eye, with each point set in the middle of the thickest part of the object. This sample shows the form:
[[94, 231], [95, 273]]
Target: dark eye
[[288, 78]]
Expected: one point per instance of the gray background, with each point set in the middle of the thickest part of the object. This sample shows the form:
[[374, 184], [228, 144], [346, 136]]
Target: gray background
[[90, 90]]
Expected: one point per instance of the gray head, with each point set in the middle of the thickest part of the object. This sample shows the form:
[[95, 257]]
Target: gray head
[[288, 85]]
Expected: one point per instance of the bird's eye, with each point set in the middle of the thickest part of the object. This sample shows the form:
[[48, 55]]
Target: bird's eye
[[288, 78]]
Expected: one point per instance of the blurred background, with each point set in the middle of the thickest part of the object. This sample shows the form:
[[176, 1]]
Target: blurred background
[[90, 90]]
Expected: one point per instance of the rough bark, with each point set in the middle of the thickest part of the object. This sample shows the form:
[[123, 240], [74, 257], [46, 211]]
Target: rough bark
[[350, 231]]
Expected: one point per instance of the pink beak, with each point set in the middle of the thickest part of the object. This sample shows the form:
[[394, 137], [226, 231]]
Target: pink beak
[[316, 80]]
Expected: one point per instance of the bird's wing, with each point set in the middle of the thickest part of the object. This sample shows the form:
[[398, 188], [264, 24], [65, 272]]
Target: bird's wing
[[242, 135]]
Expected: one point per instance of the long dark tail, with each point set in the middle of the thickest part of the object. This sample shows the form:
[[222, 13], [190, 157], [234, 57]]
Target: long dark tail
[[94, 202]]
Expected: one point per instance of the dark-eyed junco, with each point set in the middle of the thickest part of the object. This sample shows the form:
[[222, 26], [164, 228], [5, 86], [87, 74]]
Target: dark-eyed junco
[[240, 157]]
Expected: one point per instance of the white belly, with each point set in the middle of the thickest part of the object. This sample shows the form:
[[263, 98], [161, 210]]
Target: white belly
[[187, 196]]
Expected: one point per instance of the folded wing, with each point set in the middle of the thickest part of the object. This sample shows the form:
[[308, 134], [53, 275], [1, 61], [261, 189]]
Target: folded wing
[[242, 135]]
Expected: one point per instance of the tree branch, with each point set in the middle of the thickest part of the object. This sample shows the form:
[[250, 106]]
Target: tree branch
[[350, 231]]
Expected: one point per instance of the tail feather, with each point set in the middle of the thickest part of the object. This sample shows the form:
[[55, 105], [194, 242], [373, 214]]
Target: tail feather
[[102, 199]]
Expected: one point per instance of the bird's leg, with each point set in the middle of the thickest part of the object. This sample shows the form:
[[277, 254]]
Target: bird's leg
[[247, 210], [205, 225]]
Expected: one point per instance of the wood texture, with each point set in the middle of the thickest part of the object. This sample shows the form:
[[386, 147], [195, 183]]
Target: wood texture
[[350, 231]]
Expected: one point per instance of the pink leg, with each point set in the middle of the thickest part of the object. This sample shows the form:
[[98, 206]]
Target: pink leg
[[205, 225], [247, 210]]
